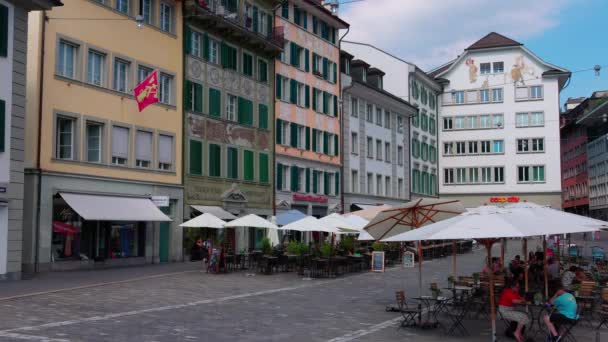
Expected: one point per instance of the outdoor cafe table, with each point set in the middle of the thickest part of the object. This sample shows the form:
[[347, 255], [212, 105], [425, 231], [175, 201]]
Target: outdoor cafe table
[[434, 307]]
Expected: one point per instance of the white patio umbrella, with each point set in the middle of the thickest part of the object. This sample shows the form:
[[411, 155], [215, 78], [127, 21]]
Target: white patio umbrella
[[364, 236], [357, 222], [273, 234], [338, 223], [308, 224], [251, 220], [371, 212], [487, 225], [205, 220]]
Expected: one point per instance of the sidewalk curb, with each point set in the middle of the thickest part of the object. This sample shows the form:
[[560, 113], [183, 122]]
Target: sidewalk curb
[[33, 294]]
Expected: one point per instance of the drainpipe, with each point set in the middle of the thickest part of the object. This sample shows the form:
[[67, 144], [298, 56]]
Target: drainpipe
[[39, 144], [340, 121]]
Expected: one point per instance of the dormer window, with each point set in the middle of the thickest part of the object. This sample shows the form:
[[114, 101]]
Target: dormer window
[[364, 75], [380, 86]]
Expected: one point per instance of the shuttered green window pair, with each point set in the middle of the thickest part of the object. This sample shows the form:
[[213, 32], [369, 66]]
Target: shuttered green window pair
[[263, 162], [229, 58], [215, 160], [194, 96], [232, 156], [248, 172], [215, 102], [263, 116], [248, 64], [245, 112], [196, 157]]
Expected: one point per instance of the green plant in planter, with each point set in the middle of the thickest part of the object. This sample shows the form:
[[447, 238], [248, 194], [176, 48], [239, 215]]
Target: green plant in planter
[[378, 246], [575, 288], [451, 280], [347, 243], [476, 277], [325, 250], [303, 248], [436, 292], [293, 247], [266, 246]]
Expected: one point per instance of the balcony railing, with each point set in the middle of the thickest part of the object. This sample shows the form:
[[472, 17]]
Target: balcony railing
[[229, 11]]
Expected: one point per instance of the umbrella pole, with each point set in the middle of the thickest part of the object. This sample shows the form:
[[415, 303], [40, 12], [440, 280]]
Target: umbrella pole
[[454, 245], [488, 244], [557, 258], [545, 268], [526, 264], [419, 281], [502, 251]]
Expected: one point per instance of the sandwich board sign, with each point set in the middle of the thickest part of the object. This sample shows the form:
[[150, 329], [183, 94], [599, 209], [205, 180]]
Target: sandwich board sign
[[408, 260], [377, 261]]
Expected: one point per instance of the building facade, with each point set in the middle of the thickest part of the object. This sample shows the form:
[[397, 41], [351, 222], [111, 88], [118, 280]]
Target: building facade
[[94, 162], [307, 115], [408, 82], [230, 48], [593, 117], [500, 125], [13, 59], [375, 131]]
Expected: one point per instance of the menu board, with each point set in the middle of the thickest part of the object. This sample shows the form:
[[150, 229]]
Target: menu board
[[377, 261], [408, 260]]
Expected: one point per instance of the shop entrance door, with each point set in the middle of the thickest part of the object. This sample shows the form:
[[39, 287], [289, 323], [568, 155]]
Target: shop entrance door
[[163, 252]]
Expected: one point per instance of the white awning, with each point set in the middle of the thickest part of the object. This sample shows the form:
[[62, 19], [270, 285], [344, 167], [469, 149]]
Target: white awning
[[215, 211], [113, 208]]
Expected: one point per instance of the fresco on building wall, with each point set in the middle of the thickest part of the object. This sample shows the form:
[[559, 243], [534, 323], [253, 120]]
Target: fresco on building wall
[[216, 131], [472, 70], [520, 71], [241, 136], [196, 126], [264, 141]]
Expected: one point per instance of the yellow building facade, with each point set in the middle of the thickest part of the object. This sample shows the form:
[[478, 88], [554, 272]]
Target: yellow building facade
[[103, 181]]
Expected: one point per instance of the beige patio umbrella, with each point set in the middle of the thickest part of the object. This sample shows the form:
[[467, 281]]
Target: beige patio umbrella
[[369, 213]]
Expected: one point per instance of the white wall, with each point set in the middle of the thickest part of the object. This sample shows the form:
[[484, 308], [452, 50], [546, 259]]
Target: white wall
[[6, 94], [460, 80]]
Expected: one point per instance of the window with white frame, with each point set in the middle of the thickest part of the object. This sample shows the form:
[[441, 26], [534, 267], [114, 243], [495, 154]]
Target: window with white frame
[[387, 186], [354, 107], [486, 175], [400, 155], [231, 103], [286, 132], [147, 11], [354, 181], [370, 147], [458, 97], [379, 185], [497, 95], [121, 75], [301, 130], [143, 149], [120, 145], [122, 6], [142, 73], [214, 51], [530, 145], [484, 95], [285, 176], [473, 121], [461, 147], [473, 175], [448, 176], [301, 99], [400, 187], [378, 116], [498, 121], [448, 123], [378, 149], [531, 174], [285, 53], [67, 56], [165, 88], [498, 146], [536, 92], [286, 91], [166, 17], [195, 44], [94, 141], [65, 138], [532, 119], [354, 143], [460, 122], [473, 147], [485, 68], [498, 67], [370, 183], [165, 152], [96, 62], [399, 124], [387, 152], [387, 119]]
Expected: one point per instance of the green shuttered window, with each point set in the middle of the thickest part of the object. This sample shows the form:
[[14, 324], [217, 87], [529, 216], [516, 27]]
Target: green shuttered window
[[315, 185], [247, 64], [279, 131], [263, 116], [337, 180], [279, 176], [294, 178], [308, 138], [308, 180], [245, 116], [196, 157], [248, 165], [326, 183], [263, 168], [215, 160], [336, 147], [232, 156], [194, 96], [215, 102], [229, 59]]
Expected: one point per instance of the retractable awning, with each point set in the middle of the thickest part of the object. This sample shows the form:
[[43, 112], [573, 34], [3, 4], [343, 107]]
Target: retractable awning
[[215, 211], [113, 208]]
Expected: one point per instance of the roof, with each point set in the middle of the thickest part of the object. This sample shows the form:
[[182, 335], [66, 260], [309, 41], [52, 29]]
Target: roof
[[357, 62], [386, 93], [576, 99], [493, 40], [346, 54], [373, 71], [315, 3], [439, 70]]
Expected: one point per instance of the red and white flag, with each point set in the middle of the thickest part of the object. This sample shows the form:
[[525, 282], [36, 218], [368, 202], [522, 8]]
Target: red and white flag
[[146, 93]]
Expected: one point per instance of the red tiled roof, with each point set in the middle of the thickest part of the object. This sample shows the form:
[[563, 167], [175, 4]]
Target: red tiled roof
[[492, 40]]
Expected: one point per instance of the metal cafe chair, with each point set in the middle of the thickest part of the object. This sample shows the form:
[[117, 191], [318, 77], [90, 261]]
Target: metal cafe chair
[[408, 312]]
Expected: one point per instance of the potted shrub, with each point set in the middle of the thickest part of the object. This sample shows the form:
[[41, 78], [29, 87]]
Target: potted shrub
[[325, 251], [378, 246], [293, 248], [451, 280], [303, 249], [576, 288], [436, 292], [347, 243], [476, 278], [266, 246]]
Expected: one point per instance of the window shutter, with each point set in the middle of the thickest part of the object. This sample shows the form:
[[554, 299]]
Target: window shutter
[[215, 102], [278, 87], [294, 178], [294, 54], [326, 183], [307, 96], [263, 116], [315, 186], [233, 166], [279, 176], [305, 19], [336, 147], [225, 58], [263, 168], [187, 35], [307, 179], [165, 149], [120, 142], [196, 157], [293, 96], [335, 105], [206, 46], [335, 72], [233, 61], [198, 97], [325, 68], [306, 60], [308, 138], [215, 167], [242, 115], [314, 25], [325, 142], [314, 64], [314, 99], [248, 165], [279, 131], [255, 19], [269, 23], [325, 102], [294, 134], [188, 95], [337, 179], [285, 10], [2, 126], [314, 139], [143, 145]]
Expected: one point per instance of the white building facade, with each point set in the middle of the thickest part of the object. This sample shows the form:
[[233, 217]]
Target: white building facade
[[499, 128]]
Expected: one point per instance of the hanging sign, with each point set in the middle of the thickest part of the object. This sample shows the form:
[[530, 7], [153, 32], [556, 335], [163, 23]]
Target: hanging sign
[[309, 198], [512, 199], [160, 201], [377, 261], [408, 260]]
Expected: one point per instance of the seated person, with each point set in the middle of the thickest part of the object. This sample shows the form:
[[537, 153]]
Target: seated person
[[565, 311], [509, 297], [516, 267], [552, 268], [568, 277]]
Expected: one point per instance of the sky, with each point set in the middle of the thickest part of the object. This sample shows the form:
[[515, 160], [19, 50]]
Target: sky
[[568, 33]]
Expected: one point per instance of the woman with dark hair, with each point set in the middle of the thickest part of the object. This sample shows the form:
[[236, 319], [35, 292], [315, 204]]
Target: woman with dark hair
[[565, 310]]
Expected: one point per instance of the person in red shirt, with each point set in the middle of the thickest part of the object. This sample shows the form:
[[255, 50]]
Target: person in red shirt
[[509, 297]]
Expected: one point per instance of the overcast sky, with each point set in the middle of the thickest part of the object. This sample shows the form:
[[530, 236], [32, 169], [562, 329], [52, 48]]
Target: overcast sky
[[569, 33]]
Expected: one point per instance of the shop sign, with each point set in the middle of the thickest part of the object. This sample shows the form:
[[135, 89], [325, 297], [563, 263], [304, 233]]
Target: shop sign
[[512, 199], [160, 201], [408, 260], [310, 198]]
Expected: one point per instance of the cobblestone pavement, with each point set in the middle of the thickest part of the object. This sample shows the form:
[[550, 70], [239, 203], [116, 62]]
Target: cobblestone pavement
[[194, 306]]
